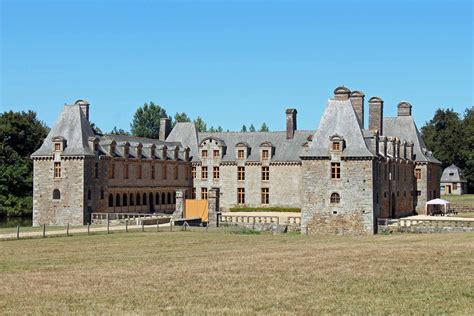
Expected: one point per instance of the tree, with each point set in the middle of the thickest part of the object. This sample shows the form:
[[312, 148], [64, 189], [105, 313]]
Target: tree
[[146, 120], [220, 129], [200, 125], [264, 128], [252, 128], [181, 117], [119, 131], [21, 134], [244, 129], [96, 129]]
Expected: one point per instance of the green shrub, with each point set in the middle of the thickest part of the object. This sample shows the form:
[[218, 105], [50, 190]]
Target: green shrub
[[265, 209]]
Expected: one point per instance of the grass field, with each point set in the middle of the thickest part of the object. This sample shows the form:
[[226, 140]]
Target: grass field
[[218, 272], [461, 202]]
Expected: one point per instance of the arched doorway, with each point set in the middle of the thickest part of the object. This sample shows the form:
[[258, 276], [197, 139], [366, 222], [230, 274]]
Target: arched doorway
[[150, 203], [393, 206]]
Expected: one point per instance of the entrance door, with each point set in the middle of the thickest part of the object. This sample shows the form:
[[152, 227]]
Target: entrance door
[[150, 203], [448, 189], [393, 206]]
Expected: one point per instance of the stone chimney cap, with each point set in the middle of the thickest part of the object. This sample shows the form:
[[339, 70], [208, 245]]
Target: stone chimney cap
[[404, 104], [342, 90], [357, 93], [375, 100], [291, 111], [82, 102]]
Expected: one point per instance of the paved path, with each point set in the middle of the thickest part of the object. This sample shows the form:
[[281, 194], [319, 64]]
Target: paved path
[[76, 230]]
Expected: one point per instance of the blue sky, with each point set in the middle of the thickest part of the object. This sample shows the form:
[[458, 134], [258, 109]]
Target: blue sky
[[233, 63]]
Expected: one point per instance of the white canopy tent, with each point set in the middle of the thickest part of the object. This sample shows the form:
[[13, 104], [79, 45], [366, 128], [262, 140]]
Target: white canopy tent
[[441, 202]]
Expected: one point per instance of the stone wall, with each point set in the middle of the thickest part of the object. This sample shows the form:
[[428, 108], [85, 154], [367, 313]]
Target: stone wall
[[428, 186], [355, 212], [70, 207]]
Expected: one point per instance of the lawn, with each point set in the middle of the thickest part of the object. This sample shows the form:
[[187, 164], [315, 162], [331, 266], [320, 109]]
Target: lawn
[[219, 272], [462, 202]]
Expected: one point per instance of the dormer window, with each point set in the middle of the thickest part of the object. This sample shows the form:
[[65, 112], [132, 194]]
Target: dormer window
[[176, 153], [216, 153], [57, 147], [58, 143], [204, 153], [337, 143], [241, 154], [265, 154]]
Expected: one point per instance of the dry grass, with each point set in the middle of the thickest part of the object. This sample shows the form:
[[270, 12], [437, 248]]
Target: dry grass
[[463, 203], [198, 272]]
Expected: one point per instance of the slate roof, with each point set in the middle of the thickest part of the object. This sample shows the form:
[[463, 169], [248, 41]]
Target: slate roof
[[284, 149], [73, 126], [404, 127], [338, 118], [452, 174], [187, 134]]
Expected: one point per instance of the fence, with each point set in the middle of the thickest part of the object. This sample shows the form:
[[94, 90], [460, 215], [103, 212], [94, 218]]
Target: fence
[[425, 225], [99, 218]]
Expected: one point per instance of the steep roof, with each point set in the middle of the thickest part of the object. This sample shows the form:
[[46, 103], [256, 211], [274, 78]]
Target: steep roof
[[338, 118], [186, 133], [404, 127], [452, 174], [284, 149], [73, 126]]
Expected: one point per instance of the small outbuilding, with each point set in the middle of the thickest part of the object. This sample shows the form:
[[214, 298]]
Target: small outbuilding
[[453, 181]]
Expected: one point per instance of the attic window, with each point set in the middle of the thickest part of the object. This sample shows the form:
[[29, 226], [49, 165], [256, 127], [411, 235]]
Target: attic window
[[451, 173], [57, 146], [336, 146], [265, 154], [241, 154]]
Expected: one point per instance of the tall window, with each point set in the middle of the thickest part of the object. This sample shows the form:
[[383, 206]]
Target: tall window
[[265, 154], [240, 173], [216, 153], [265, 196], [89, 194], [153, 171], [204, 193], [111, 200], [57, 170], [336, 146], [112, 171], [175, 171], [335, 198], [96, 170], [335, 170], [204, 153], [241, 154], [164, 172], [265, 173], [215, 173], [418, 173], [125, 171], [204, 173], [241, 196], [193, 172], [57, 146]]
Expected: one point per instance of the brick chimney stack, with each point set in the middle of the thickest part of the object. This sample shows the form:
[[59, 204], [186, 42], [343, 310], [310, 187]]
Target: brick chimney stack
[[290, 123], [404, 109], [376, 115], [165, 128], [357, 100]]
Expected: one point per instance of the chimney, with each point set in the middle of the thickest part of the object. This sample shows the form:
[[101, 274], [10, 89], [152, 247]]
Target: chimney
[[374, 143], [84, 105], [376, 115], [290, 123], [404, 109], [165, 128], [342, 93], [357, 99]]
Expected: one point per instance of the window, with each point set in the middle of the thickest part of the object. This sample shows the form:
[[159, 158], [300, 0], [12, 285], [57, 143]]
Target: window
[[418, 193], [163, 198], [153, 171], [102, 194], [125, 171], [265, 154], [241, 196], [57, 170], [204, 193], [56, 194], [193, 172], [124, 200], [204, 173], [157, 198], [241, 173], [336, 146], [265, 196], [144, 199], [138, 199], [117, 200], [335, 198], [164, 172], [216, 173], [57, 146], [96, 170], [111, 200], [335, 170], [418, 174], [132, 200], [265, 173], [216, 153], [241, 154], [112, 171], [204, 153], [455, 186], [175, 171], [139, 171], [89, 194]]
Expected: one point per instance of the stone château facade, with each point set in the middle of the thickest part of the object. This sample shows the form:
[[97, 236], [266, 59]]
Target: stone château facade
[[343, 176]]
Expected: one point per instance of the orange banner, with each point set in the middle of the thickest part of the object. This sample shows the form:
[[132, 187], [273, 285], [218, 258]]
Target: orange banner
[[196, 208]]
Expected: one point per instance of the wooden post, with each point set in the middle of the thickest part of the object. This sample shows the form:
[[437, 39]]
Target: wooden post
[[108, 224], [18, 232], [44, 230], [67, 230], [126, 225], [143, 226], [157, 224], [171, 225], [88, 228]]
